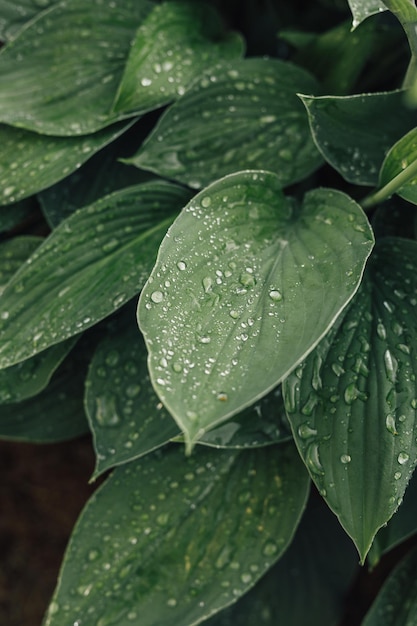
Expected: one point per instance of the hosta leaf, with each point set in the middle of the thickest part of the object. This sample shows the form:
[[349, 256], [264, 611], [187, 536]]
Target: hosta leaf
[[183, 537], [354, 133], [319, 565], [396, 603], [101, 175], [175, 43], [13, 253], [401, 155], [14, 14], [361, 9], [240, 115], [245, 285], [88, 267], [63, 70], [30, 162], [352, 405], [126, 417], [56, 414], [262, 424]]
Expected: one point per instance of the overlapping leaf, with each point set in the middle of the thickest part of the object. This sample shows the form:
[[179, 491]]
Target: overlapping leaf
[[183, 537], [240, 115], [319, 565], [174, 44], [401, 156], [88, 267], [397, 601], [30, 162], [244, 287], [352, 405], [361, 9], [55, 414], [354, 133], [14, 14], [13, 253], [63, 70]]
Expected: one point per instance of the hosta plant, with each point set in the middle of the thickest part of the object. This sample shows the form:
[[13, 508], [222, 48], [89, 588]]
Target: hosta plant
[[222, 288]]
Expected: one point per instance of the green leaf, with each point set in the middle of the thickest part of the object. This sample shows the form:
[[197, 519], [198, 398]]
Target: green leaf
[[240, 115], [354, 133], [245, 285], [402, 155], [400, 527], [14, 14], [173, 45], [396, 604], [361, 9], [56, 414], [13, 253], [14, 214], [319, 564], [352, 404], [101, 175], [28, 378], [64, 69], [30, 162], [126, 417], [262, 424], [183, 537], [104, 251]]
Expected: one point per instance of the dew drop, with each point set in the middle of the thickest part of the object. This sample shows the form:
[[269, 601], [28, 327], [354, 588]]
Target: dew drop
[[306, 432], [391, 366], [345, 458], [157, 297], [172, 602], [397, 475], [270, 548], [381, 331], [390, 424], [145, 82], [313, 459], [205, 202], [275, 295], [181, 265], [207, 284], [106, 412], [403, 458], [247, 279], [234, 314]]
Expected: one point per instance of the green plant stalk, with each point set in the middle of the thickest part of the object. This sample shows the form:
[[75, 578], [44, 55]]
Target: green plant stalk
[[390, 188]]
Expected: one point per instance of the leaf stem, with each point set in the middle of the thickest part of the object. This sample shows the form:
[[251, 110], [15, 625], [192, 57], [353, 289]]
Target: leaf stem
[[390, 188]]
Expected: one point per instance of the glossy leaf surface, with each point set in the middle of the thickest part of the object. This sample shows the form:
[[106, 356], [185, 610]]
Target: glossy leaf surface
[[361, 9], [183, 537], [354, 133], [242, 280], [30, 162], [402, 155], [240, 115], [175, 43], [65, 67], [126, 417], [396, 603], [319, 565], [352, 405], [105, 253]]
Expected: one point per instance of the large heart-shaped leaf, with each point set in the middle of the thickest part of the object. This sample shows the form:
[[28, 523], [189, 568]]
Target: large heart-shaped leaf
[[104, 251], [352, 404], [354, 133], [64, 68], [245, 285], [175, 43], [240, 115], [30, 162], [361, 9], [402, 155], [182, 537], [396, 604]]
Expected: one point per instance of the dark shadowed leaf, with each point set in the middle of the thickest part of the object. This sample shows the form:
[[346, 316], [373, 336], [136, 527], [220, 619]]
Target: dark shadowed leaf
[[174, 44], [183, 537], [352, 404], [245, 285], [240, 115], [89, 266], [65, 67], [396, 604], [30, 162], [354, 133]]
